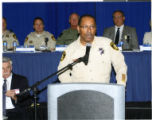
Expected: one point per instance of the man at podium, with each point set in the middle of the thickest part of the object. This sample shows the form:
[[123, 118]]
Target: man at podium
[[99, 53]]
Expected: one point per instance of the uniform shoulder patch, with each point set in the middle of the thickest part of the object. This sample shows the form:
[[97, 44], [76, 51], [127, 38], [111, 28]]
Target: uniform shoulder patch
[[63, 55], [26, 39], [53, 38], [123, 78], [114, 46], [61, 34], [14, 36]]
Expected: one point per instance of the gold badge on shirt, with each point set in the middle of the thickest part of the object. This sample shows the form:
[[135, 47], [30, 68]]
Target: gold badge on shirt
[[63, 55], [114, 46]]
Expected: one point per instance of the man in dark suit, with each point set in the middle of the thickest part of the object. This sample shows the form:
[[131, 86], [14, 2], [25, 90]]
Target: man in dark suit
[[120, 32], [13, 84]]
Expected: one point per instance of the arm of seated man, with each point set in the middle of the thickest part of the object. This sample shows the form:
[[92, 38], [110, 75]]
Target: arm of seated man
[[12, 94]]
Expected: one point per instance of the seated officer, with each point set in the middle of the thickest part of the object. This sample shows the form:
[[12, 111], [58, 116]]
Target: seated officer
[[39, 38], [8, 36], [70, 34]]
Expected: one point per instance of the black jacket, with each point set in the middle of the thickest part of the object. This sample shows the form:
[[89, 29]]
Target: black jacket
[[21, 83]]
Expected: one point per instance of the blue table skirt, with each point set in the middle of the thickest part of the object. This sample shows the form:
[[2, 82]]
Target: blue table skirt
[[36, 66]]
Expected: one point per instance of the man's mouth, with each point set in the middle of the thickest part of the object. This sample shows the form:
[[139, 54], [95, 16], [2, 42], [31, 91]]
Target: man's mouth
[[89, 35]]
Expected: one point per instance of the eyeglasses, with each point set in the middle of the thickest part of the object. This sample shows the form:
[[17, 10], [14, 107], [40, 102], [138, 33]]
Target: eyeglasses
[[90, 27], [117, 17]]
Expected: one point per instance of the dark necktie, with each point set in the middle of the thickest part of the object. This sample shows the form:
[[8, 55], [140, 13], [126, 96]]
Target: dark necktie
[[117, 36], [4, 97]]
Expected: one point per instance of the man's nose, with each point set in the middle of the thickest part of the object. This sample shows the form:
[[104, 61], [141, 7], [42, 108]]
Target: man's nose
[[5, 70], [89, 29]]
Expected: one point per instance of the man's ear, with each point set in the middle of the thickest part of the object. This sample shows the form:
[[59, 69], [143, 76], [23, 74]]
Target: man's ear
[[69, 22], [124, 18], [78, 28], [11, 68]]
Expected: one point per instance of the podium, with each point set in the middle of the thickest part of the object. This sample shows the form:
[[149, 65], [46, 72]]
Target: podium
[[86, 101]]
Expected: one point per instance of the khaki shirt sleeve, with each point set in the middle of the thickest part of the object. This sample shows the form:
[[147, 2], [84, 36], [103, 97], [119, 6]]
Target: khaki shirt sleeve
[[29, 40], [15, 38], [65, 60], [17, 42], [51, 42], [119, 65], [12, 38], [26, 41]]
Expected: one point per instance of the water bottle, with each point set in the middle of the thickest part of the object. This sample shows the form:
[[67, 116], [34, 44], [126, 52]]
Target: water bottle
[[120, 45], [14, 45], [4, 46]]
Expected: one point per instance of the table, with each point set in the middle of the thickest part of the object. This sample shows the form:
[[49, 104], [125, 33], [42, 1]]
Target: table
[[36, 66]]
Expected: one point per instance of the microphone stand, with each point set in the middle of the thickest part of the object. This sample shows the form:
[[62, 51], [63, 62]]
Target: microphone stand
[[59, 72]]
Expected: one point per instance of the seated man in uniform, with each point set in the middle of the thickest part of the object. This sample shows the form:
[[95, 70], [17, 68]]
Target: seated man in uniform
[[8, 36], [70, 34], [13, 105], [122, 33], [42, 40], [103, 53]]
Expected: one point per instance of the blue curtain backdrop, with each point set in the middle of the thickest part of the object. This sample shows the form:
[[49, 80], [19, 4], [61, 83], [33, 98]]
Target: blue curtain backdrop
[[20, 15]]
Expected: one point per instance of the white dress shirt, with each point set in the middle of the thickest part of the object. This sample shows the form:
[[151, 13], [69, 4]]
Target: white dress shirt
[[120, 33], [9, 104]]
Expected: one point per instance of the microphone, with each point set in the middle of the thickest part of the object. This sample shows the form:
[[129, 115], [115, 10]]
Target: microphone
[[46, 41], [86, 57]]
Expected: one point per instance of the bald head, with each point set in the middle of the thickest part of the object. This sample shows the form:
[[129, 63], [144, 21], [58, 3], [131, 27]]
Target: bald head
[[73, 20]]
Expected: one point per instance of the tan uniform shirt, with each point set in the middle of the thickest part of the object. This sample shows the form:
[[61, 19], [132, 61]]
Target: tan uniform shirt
[[9, 37], [38, 40], [98, 69]]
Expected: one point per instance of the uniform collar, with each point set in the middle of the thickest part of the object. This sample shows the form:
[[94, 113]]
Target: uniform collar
[[6, 31], [121, 27], [38, 35], [79, 43]]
